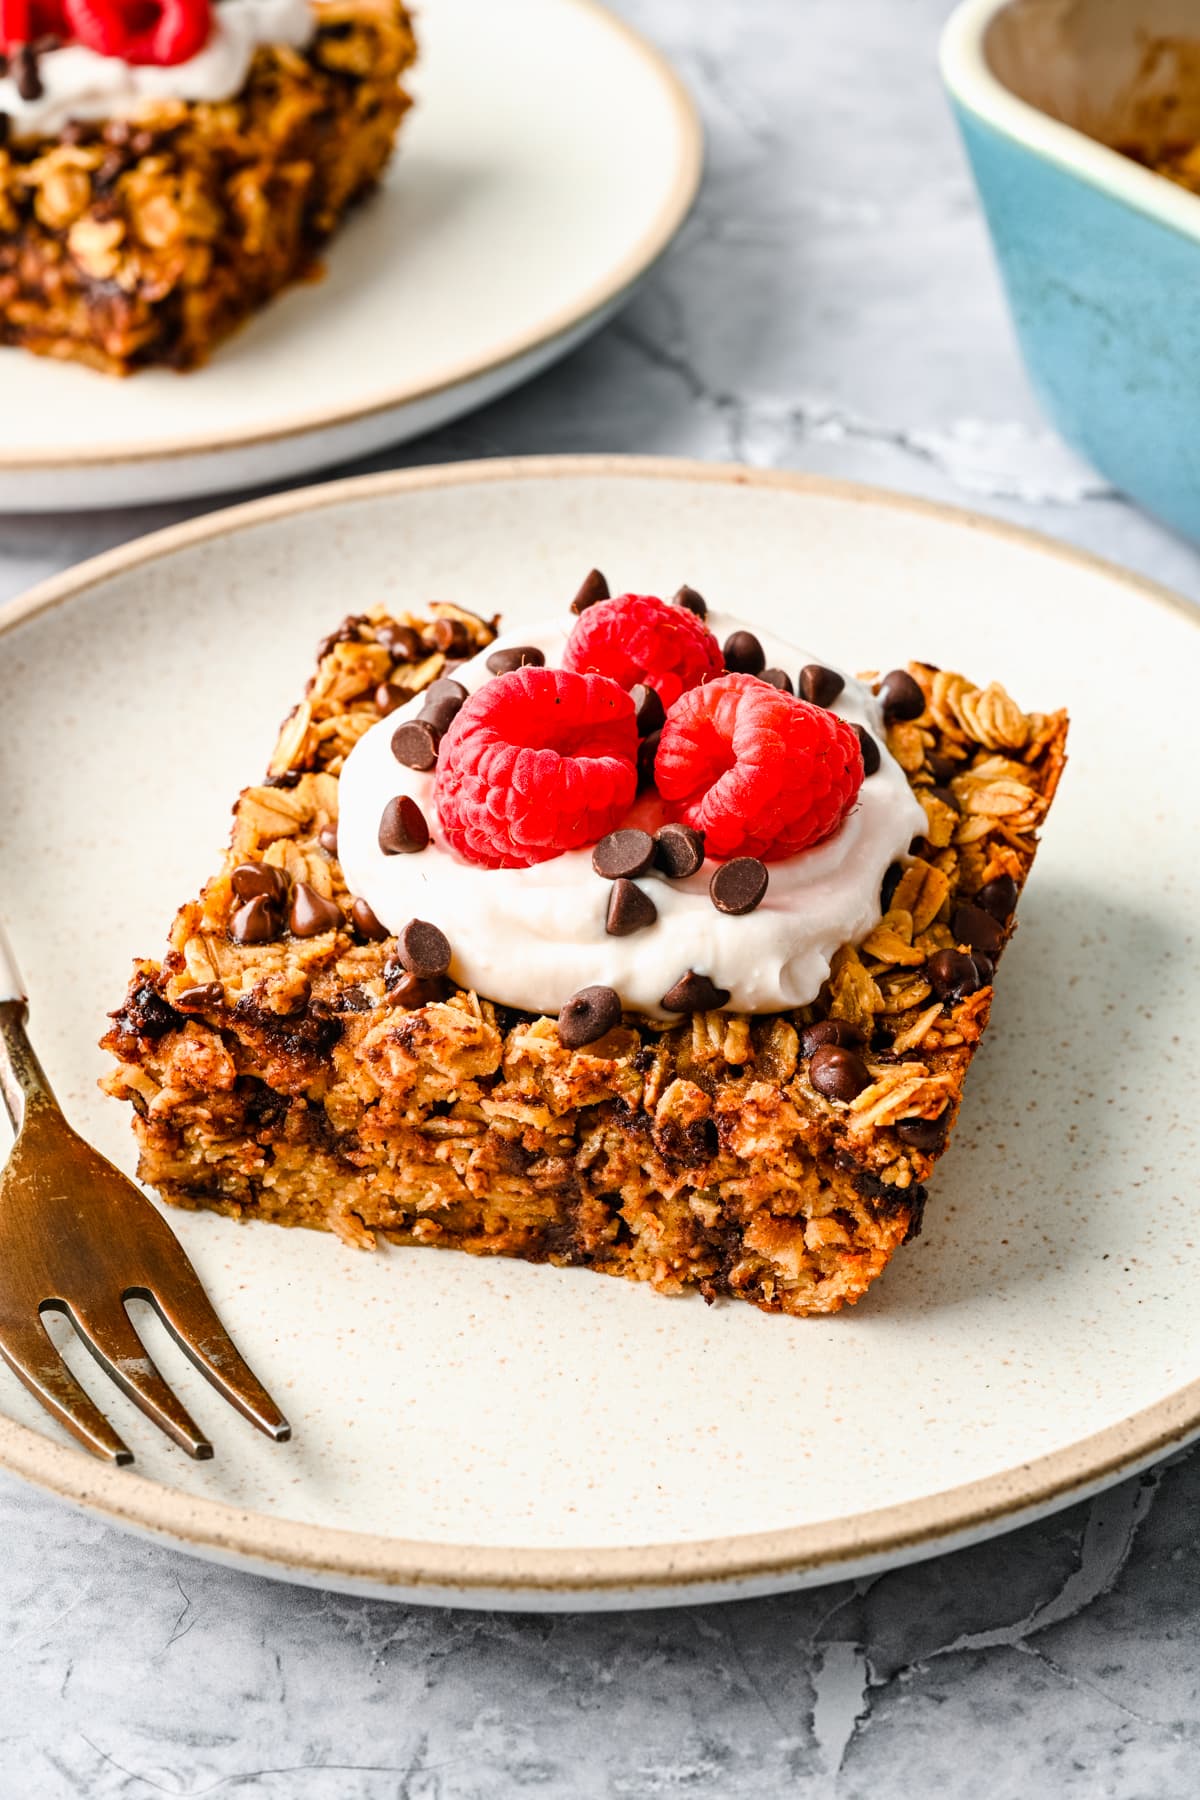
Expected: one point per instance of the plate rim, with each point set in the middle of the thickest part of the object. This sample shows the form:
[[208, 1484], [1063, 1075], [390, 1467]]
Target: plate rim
[[317, 1553], [603, 295]]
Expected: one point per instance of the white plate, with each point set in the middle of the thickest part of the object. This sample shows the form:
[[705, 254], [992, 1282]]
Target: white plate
[[550, 158], [484, 1432]]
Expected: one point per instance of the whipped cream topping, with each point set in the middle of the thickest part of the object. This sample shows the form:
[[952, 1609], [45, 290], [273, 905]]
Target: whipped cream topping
[[79, 83], [530, 938]]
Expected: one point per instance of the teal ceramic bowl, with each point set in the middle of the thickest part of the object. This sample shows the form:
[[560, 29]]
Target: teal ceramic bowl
[[1100, 257]]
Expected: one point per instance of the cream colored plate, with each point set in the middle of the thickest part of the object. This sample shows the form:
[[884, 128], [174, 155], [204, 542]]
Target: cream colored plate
[[483, 1432], [549, 160]]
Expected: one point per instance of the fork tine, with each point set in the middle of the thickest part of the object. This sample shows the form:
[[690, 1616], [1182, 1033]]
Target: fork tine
[[188, 1313], [110, 1335], [30, 1353]]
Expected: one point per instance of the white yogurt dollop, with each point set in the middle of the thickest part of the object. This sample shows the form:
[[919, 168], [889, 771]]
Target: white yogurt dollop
[[79, 83], [531, 938]]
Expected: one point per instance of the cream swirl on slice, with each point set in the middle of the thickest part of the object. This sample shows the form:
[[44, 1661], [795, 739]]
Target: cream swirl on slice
[[530, 938], [78, 83]]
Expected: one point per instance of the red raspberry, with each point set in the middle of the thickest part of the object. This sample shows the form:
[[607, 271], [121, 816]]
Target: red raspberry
[[758, 772], [536, 762], [141, 31], [638, 638]]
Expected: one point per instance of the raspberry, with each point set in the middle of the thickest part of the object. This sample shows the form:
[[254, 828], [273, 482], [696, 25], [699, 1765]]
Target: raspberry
[[758, 772], [537, 761], [638, 638], [141, 31]]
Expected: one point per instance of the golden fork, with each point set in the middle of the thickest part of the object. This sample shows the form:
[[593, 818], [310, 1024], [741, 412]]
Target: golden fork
[[77, 1237]]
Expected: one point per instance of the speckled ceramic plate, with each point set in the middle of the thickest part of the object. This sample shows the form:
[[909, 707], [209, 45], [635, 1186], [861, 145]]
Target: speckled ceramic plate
[[482, 1432], [550, 158]]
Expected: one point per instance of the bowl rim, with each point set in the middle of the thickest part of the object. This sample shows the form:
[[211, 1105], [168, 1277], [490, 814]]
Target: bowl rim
[[971, 82]]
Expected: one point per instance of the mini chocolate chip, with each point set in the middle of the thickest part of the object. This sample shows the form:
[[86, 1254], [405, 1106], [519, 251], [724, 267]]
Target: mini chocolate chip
[[629, 909], [952, 975], [327, 838], [831, 1031], [920, 846], [366, 924], [25, 72], [204, 998], [625, 853], [891, 881], [838, 1073], [74, 132], [444, 688], [870, 751], [744, 654], [439, 715], [648, 711], [588, 1015], [411, 990], [388, 696], [678, 851], [941, 767], [976, 928], [401, 642], [450, 636], [984, 968], [738, 886], [900, 696], [255, 923], [402, 829], [778, 678], [946, 797], [252, 879], [922, 1134], [593, 588], [691, 601], [694, 993], [521, 656], [647, 751], [998, 897], [415, 744], [347, 631], [423, 949], [311, 913], [820, 686]]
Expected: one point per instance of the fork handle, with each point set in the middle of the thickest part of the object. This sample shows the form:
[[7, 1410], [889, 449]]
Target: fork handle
[[22, 1078]]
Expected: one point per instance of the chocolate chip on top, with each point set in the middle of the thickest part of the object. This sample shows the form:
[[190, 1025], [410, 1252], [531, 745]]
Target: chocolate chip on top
[[423, 948], [401, 642], [648, 710], [952, 975], [691, 601], [743, 653], [891, 881], [831, 1031], [311, 913], [838, 1073], [406, 989], [630, 909], [738, 886], [257, 922], [450, 636], [694, 993], [389, 697], [366, 924], [587, 1016], [327, 838], [870, 751], [206, 997], [647, 752], [976, 928], [402, 829], [998, 897], [778, 678], [593, 588], [520, 656], [626, 852], [900, 696], [444, 688], [415, 744], [820, 686], [252, 880], [923, 1134], [678, 851]]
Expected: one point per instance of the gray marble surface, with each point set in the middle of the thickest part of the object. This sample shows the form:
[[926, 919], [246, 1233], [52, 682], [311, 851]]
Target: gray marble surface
[[830, 306]]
